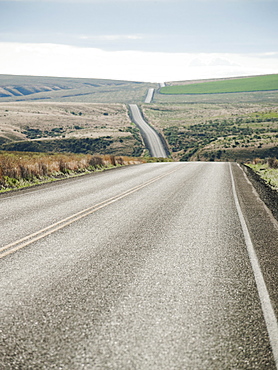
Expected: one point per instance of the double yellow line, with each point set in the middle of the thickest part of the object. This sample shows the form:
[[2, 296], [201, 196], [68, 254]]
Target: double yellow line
[[27, 240]]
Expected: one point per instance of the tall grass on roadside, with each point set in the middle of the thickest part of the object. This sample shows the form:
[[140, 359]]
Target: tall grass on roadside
[[19, 169], [272, 163], [267, 169], [269, 162]]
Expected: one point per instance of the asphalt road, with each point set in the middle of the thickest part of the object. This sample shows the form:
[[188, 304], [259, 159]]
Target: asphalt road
[[142, 267], [151, 138], [149, 96]]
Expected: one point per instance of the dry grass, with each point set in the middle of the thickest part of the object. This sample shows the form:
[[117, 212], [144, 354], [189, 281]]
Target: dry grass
[[83, 90], [19, 169], [171, 114], [198, 131], [267, 169], [74, 119], [232, 98]]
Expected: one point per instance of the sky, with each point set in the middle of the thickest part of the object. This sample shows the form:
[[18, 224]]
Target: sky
[[139, 40]]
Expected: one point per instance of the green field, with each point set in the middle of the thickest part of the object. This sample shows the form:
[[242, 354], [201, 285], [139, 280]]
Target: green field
[[238, 85]]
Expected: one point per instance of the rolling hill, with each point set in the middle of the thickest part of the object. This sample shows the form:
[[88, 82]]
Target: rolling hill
[[58, 89], [91, 116]]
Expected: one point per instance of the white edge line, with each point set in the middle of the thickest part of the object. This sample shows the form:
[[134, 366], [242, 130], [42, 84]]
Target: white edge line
[[268, 312]]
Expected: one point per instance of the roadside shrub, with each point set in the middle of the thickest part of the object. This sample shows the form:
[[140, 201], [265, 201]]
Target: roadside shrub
[[96, 161], [272, 162], [257, 161], [19, 168]]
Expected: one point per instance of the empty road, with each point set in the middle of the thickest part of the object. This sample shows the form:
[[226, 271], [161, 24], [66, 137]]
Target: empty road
[[151, 138], [155, 266], [149, 96]]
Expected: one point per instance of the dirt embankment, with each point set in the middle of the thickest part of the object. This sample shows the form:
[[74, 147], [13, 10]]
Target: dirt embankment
[[266, 193]]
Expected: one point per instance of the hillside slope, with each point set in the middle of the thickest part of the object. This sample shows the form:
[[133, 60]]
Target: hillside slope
[[57, 89]]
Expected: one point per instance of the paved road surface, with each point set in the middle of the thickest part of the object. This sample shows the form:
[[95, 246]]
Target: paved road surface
[[151, 138], [148, 269], [149, 96]]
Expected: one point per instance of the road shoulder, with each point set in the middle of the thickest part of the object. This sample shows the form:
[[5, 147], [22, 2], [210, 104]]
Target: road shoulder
[[263, 229]]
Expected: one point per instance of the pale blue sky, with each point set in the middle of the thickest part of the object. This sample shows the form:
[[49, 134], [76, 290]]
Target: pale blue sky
[[246, 28], [167, 26]]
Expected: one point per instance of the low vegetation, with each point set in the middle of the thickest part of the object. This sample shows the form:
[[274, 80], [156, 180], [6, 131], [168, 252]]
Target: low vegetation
[[262, 97], [204, 125], [21, 169], [101, 145], [217, 132], [86, 145], [249, 84], [267, 169], [64, 127]]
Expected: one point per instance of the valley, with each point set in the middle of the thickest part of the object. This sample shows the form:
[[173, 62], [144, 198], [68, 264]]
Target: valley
[[93, 116]]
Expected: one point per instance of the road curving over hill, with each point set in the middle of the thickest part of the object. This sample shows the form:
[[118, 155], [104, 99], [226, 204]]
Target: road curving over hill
[[152, 140], [149, 96]]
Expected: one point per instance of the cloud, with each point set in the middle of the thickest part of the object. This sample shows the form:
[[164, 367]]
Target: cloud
[[110, 37], [207, 60], [140, 1], [268, 55], [221, 62], [197, 62], [102, 1], [68, 61]]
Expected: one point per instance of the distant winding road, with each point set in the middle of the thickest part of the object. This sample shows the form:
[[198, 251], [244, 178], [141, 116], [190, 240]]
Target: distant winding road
[[149, 96], [150, 136], [157, 266]]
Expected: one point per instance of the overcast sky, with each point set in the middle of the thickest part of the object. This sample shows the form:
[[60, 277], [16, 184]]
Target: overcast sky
[[144, 40]]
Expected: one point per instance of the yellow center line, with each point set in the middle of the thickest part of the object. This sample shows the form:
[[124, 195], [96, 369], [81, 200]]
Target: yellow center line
[[27, 240]]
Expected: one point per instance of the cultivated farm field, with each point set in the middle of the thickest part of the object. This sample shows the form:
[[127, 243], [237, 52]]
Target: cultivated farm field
[[249, 84]]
